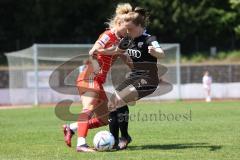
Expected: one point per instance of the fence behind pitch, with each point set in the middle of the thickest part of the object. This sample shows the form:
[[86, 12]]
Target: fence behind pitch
[[30, 69]]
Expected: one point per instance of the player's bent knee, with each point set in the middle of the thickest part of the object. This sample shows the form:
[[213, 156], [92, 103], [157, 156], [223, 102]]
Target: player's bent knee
[[128, 94]]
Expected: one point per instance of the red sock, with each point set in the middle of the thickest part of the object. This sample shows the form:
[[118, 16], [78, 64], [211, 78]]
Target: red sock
[[95, 123], [83, 123]]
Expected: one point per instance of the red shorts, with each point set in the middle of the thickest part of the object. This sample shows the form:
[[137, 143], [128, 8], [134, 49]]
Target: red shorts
[[86, 82]]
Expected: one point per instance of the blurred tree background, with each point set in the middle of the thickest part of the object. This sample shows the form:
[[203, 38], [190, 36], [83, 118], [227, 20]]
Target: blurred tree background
[[195, 24]]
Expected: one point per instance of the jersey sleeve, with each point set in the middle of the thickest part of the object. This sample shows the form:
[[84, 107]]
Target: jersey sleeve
[[152, 41], [103, 39]]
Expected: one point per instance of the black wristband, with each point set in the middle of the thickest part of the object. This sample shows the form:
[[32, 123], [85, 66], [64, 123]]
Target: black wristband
[[125, 43]]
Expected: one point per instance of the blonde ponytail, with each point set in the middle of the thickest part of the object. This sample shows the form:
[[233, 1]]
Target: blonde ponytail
[[121, 10]]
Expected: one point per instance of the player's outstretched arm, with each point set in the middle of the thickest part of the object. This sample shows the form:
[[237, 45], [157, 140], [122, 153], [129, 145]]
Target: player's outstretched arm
[[105, 51]]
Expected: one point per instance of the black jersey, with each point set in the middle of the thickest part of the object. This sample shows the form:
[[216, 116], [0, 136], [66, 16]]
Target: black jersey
[[143, 62]]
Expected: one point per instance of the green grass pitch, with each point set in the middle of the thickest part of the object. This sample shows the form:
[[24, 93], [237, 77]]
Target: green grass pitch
[[160, 130]]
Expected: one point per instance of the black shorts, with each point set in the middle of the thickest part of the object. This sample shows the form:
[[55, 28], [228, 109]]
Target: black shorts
[[145, 85]]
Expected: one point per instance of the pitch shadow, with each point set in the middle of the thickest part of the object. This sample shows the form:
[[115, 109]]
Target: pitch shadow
[[176, 146]]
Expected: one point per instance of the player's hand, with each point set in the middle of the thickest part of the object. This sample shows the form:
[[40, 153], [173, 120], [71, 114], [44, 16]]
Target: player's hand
[[156, 52], [151, 49], [92, 52], [113, 48], [119, 51], [107, 51]]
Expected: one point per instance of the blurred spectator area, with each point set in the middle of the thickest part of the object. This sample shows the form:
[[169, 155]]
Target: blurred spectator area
[[220, 73]]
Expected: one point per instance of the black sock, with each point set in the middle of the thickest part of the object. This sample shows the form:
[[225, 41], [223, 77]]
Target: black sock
[[72, 132], [123, 117], [113, 126]]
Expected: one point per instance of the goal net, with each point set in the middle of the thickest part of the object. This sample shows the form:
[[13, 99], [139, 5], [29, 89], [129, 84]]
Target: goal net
[[46, 73]]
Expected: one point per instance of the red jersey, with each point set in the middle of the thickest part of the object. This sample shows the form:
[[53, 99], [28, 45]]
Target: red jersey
[[106, 39], [87, 79]]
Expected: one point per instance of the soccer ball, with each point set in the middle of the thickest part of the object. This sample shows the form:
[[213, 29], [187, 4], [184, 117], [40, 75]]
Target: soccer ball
[[103, 141]]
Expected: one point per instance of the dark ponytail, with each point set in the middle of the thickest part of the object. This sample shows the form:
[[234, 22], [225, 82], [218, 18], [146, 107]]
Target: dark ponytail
[[143, 12], [138, 16]]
